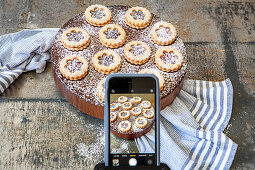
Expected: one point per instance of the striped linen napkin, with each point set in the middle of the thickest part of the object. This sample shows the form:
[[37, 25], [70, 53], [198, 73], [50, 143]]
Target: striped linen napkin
[[24, 51], [191, 128]]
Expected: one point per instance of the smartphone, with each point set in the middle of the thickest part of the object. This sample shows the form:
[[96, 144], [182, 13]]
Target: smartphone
[[134, 95]]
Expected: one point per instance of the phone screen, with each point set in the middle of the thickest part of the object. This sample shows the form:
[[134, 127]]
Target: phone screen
[[132, 114]]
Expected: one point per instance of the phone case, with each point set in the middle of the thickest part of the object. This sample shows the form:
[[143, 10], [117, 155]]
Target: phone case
[[106, 118]]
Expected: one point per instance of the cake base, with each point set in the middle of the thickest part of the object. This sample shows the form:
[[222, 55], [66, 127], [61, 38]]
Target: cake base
[[96, 110]]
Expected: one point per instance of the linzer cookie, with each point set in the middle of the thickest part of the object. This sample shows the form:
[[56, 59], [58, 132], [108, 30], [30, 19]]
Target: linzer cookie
[[125, 126], [148, 113], [137, 52], [98, 15], [136, 111], [138, 17], [163, 33], [112, 36], [136, 100], [124, 115], [106, 66], [141, 122], [168, 59], [75, 39], [73, 67]]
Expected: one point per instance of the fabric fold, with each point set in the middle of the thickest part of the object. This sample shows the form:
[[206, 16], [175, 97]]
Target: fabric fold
[[24, 51], [191, 128]]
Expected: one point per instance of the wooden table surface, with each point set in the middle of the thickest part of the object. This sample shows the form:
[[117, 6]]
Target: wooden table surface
[[39, 129]]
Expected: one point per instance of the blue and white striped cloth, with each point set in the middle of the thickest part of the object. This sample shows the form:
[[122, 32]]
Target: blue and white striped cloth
[[24, 51], [191, 129]]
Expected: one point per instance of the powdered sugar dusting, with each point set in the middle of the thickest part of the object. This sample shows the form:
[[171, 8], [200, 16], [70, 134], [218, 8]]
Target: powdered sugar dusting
[[169, 58], [112, 34], [164, 32], [86, 87], [75, 36], [137, 50], [137, 15], [74, 65], [97, 14]]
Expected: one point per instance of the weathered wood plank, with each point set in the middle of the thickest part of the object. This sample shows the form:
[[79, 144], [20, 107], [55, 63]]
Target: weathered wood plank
[[48, 135]]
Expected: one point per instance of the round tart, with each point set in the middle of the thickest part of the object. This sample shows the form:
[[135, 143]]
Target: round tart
[[136, 100], [163, 33], [146, 104], [156, 73], [112, 36], [127, 105], [83, 93], [124, 126], [131, 116], [101, 89], [113, 117], [73, 67], [136, 111], [148, 113], [114, 107], [138, 17], [105, 66], [168, 59], [98, 15], [124, 115], [75, 39], [141, 122], [122, 99], [137, 52]]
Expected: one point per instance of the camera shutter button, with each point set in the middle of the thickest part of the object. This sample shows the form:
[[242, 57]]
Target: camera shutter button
[[132, 162]]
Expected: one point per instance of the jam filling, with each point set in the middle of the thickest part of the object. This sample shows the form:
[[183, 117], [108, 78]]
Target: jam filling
[[169, 58], [164, 32], [148, 112], [140, 121], [112, 34], [136, 110], [124, 114], [75, 36], [97, 13], [146, 104], [137, 50], [106, 60], [127, 104], [73, 65], [137, 15], [124, 125]]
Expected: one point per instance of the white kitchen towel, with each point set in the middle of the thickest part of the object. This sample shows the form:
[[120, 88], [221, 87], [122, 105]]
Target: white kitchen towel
[[24, 51], [191, 128]]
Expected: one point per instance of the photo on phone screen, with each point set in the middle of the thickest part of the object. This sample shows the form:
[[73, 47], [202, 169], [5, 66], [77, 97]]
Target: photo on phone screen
[[132, 109]]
